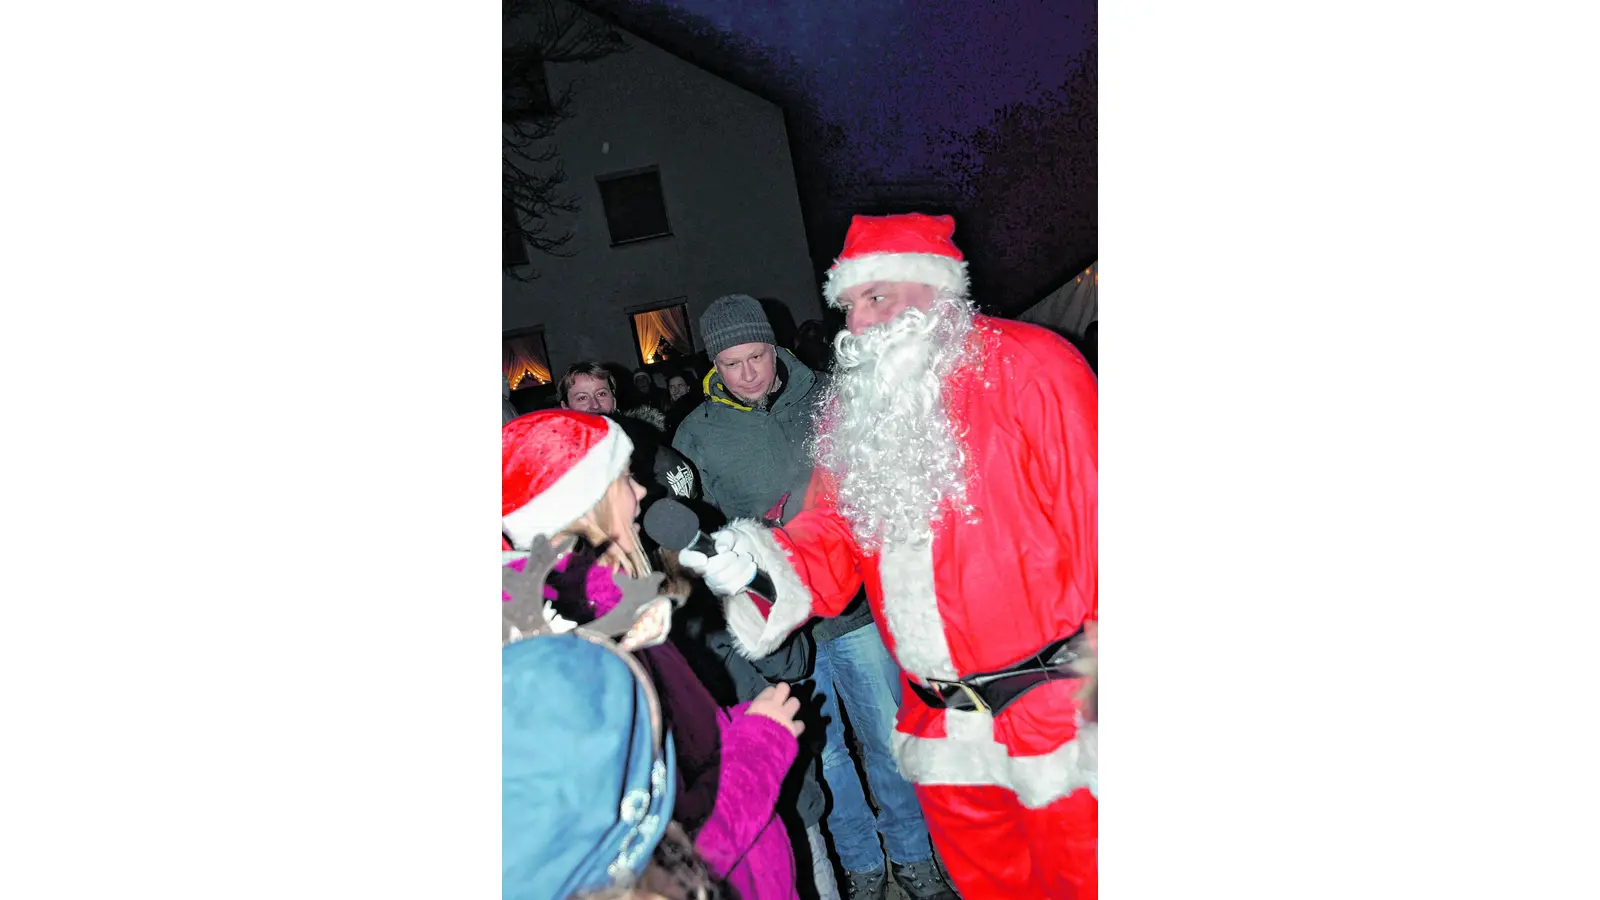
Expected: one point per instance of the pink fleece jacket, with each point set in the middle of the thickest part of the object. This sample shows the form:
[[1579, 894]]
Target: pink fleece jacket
[[732, 765]]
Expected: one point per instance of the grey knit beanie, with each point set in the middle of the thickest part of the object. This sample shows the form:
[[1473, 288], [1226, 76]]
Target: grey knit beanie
[[733, 320]]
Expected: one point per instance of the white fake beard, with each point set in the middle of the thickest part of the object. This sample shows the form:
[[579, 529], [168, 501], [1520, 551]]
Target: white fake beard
[[886, 435]]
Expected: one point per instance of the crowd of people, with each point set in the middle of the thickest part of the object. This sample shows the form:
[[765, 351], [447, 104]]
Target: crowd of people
[[877, 669]]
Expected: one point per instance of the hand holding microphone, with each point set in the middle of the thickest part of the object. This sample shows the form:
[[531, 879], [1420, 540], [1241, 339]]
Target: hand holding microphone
[[729, 568], [725, 561]]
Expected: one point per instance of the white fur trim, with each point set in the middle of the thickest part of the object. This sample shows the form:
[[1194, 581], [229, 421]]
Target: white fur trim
[[911, 612], [923, 268], [573, 494], [754, 635], [555, 621], [971, 756]]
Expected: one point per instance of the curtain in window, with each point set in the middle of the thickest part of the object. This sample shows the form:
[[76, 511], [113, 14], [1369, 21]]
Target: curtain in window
[[522, 358], [669, 326]]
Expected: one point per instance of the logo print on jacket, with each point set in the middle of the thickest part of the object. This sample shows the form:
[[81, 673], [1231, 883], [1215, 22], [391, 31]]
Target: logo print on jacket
[[681, 481]]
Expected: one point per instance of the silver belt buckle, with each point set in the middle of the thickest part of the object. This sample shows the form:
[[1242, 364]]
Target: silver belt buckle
[[972, 695]]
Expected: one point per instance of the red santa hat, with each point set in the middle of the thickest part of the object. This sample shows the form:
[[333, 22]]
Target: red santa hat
[[555, 465], [909, 247]]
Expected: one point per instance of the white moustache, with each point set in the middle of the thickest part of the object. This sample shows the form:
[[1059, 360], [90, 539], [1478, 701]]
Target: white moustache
[[897, 343]]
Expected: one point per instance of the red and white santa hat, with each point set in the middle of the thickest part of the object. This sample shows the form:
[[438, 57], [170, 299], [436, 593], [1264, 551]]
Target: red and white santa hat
[[908, 247], [555, 465]]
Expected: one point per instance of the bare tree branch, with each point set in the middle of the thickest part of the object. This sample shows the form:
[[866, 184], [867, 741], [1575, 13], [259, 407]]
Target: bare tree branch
[[541, 32]]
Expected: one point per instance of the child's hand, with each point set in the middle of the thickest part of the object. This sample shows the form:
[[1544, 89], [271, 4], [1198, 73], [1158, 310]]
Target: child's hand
[[776, 704], [652, 626]]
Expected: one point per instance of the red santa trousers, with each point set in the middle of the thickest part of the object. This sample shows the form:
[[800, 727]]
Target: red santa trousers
[[997, 849]]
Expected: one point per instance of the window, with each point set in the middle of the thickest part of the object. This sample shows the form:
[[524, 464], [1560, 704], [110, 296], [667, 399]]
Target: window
[[661, 332], [526, 92], [524, 359], [634, 208], [514, 249]]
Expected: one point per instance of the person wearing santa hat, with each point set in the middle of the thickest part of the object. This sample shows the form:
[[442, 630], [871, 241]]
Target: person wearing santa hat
[[566, 473], [957, 479]]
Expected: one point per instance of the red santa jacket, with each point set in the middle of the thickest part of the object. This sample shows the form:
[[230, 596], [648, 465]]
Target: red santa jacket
[[984, 595]]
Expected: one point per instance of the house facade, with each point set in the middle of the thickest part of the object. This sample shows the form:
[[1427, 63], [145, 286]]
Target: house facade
[[686, 192]]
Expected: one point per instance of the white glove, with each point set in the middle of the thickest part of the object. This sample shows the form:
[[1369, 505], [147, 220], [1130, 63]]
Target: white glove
[[731, 570]]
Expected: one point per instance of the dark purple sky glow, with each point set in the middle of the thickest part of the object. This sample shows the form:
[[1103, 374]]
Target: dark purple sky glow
[[896, 74]]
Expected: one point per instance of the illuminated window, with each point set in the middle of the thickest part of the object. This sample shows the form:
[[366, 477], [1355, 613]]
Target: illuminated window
[[661, 332], [524, 359]]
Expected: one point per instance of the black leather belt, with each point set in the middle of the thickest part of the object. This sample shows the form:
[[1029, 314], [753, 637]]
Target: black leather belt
[[992, 692]]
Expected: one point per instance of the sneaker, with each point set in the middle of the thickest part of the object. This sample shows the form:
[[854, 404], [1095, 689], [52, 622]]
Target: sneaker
[[922, 881], [866, 885]]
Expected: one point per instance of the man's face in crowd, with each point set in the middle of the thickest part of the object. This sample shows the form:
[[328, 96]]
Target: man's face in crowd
[[877, 302], [748, 370], [677, 387], [590, 394]]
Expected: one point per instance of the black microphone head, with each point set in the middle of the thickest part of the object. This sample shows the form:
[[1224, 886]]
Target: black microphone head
[[671, 524]]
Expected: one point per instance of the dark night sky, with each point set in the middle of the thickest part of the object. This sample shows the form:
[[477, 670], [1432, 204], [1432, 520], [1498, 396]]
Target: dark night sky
[[982, 108], [893, 73]]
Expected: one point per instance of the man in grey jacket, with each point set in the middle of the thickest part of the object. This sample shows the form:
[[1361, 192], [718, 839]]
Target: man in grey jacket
[[748, 439]]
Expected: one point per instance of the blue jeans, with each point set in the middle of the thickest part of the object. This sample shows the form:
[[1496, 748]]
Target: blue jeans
[[857, 667]]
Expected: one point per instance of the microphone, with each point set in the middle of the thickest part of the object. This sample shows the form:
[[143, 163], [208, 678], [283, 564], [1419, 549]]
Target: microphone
[[676, 527]]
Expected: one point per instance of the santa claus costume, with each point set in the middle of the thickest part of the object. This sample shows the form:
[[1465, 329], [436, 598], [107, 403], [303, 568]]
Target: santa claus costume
[[980, 562]]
